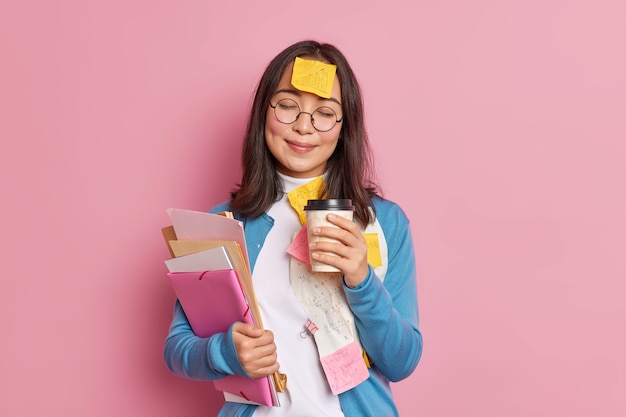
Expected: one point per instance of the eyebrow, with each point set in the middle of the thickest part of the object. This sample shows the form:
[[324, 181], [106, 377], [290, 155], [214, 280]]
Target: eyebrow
[[298, 93]]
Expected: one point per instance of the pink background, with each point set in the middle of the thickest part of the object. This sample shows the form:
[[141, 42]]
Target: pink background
[[499, 126]]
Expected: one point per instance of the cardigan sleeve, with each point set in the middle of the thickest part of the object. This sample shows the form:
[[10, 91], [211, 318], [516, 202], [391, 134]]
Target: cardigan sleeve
[[198, 358], [386, 313]]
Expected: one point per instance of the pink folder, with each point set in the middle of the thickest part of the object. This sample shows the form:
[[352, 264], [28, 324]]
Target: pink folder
[[213, 301]]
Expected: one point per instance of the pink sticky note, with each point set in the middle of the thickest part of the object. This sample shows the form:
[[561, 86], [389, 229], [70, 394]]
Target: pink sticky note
[[299, 248], [345, 369]]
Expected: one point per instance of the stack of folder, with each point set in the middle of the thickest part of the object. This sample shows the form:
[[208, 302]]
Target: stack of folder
[[210, 274]]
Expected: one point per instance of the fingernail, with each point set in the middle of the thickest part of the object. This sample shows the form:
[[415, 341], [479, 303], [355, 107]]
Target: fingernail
[[331, 216]]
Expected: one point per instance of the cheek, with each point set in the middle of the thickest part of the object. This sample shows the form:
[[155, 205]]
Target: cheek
[[330, 139], [273, 126]]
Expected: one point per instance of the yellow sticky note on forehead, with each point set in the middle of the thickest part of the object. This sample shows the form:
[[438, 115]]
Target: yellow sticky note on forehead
[[313, 76]]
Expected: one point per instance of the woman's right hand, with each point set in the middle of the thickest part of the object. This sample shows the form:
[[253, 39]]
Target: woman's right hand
[[256, 350]]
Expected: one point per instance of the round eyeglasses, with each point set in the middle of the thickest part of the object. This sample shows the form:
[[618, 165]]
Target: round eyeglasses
[[287, 112]]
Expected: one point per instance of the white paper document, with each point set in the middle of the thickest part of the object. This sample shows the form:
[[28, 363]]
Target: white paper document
[[214, 259]]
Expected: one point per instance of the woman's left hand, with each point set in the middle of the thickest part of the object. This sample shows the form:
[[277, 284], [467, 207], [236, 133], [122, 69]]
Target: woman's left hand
[[348, 254]]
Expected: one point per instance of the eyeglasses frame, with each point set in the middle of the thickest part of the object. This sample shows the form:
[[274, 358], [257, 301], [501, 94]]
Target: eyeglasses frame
[[305, 112]]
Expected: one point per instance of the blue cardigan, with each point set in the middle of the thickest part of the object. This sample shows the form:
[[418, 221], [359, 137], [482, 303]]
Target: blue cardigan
[[385, 313]]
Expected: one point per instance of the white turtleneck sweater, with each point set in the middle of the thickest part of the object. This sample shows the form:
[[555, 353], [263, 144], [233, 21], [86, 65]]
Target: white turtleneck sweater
[[308, 392]]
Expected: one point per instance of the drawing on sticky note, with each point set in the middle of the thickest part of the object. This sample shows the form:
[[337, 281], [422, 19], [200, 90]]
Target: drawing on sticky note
[[313, 76], [373, 249], [345, 368], [299, 197]]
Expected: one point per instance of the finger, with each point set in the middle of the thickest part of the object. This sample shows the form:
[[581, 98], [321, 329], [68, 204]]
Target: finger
[[264, 355], [342, 222], [350, 236], [345, 224], [351, 261], [329, 259], [266, 343], [334, 233], [254, 347], [259, 362], [264, 370], [353, 249], [247, 329]]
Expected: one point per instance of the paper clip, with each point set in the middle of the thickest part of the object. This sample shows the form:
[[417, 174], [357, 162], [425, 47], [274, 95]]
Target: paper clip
[[309, 329]]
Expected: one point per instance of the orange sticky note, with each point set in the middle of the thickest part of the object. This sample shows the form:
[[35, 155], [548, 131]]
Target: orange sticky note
[[313, 76]]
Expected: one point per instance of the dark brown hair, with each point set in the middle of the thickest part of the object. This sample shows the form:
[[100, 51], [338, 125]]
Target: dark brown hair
[[350, 169]]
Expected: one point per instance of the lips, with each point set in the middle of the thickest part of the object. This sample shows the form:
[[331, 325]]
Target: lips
[[300, 147]]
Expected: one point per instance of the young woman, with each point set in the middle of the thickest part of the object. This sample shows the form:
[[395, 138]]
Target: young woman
[[299, 137]]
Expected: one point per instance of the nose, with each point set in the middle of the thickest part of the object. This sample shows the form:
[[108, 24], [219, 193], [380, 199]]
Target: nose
[[303, 124]]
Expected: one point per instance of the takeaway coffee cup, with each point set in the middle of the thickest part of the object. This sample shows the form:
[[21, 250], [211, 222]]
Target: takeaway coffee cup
[[316, 212]]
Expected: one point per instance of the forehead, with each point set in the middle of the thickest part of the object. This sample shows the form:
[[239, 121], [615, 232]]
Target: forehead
[[285, 84]]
